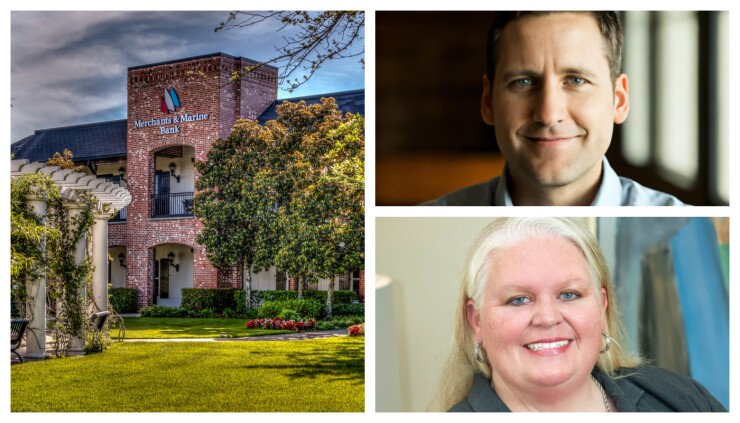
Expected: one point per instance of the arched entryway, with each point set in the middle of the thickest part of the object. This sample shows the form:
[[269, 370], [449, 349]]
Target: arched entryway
[[173, 271], [117, 266]]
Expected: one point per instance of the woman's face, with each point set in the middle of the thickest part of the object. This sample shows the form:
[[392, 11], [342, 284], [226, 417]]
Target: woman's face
[[540, 317]]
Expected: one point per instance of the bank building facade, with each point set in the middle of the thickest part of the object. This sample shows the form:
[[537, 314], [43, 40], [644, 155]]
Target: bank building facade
[[176, 111]]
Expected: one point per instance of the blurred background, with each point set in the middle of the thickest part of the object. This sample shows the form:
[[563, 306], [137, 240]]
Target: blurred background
[[431, 139], [670, 275]]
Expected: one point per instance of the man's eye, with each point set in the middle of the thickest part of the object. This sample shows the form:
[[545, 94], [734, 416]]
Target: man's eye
[[574, 80], [523, 82]]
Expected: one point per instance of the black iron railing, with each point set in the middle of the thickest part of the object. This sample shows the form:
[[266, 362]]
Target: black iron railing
[[171, 205]]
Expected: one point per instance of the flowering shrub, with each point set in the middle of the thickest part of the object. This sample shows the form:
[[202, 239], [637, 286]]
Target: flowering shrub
[[280, 324], [356, 330]]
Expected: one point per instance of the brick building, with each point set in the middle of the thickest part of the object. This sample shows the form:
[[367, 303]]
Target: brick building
[[176, 110]]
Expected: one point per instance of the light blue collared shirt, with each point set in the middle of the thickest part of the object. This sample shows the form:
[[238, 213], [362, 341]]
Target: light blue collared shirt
[[614, 190]]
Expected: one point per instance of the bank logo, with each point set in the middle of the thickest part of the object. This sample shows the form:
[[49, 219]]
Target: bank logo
[[170, 102]]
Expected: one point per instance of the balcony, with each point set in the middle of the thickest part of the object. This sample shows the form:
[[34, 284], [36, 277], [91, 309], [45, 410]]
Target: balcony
[[178, 204]]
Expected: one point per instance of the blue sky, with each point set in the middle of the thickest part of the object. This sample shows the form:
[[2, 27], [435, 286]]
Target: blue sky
[[69, 68]]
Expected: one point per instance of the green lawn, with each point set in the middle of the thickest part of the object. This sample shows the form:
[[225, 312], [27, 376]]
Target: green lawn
[[163, 327], [305, 376]]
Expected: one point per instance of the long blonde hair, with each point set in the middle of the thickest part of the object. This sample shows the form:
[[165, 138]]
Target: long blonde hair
[[461, 367]]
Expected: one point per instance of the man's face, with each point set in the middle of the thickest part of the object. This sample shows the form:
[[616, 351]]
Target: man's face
[[552, 101]]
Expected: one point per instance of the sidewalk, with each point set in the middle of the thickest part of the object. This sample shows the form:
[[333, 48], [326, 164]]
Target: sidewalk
[[281, 337]]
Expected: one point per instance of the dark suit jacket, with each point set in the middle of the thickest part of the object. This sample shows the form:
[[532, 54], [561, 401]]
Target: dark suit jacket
[[644, 388]]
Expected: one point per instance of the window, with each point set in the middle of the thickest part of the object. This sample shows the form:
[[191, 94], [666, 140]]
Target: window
[[676, 137], [280, 280]]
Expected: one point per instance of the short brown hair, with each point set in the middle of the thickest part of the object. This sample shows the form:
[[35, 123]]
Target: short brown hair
[[609, 25]]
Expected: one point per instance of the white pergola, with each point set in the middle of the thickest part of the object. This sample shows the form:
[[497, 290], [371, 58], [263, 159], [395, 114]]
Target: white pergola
[[111, 198]]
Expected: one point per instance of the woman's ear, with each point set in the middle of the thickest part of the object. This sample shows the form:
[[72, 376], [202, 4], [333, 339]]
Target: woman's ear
[[473, 318], [604, 302]]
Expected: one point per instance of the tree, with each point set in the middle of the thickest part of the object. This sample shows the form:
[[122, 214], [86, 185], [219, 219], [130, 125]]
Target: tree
[[64, 161], [320, 37], [328, 203], [236, 216], [288, 194]]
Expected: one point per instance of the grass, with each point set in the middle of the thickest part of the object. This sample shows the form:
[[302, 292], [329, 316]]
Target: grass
[[164, 327], [235, 376]]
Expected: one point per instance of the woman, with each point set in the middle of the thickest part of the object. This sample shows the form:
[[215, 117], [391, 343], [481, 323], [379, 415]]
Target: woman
[[538, 329]]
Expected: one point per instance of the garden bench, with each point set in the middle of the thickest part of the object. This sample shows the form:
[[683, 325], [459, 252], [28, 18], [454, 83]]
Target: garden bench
[[17, 329]]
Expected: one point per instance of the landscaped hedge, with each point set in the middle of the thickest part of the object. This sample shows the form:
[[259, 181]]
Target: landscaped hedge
[[307, 309], [195, 300], [217, 300], [161, 311], [340, 297], [124, 300], [347, 309]]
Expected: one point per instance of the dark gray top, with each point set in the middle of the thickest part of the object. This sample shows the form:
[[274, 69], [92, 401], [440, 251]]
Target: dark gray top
[[644, 388]]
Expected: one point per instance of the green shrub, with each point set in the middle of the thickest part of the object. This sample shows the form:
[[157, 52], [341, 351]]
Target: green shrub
[[228, 313], [251, 313], [161, 311], [346, 321], [288, 314], [279, 295], [319, 296], [208, 312], [270, 309], [347, 309], [307, 309], [240, 301], [339, 297], [124, 300], [325, 326], [199, 299], [344, 297]]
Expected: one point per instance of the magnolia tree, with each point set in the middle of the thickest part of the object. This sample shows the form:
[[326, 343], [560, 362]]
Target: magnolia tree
[[288, 194]]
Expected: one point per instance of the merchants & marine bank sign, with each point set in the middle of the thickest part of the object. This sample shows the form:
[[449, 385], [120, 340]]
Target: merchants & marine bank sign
[[170, 102]]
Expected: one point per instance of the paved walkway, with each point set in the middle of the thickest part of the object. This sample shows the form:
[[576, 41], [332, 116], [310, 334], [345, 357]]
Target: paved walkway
[[282, 337]]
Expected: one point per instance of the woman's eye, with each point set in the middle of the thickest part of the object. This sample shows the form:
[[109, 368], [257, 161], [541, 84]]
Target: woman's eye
[[569, 296], [519, 301]]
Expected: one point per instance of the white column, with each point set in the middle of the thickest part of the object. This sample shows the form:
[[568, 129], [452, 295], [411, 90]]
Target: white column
[[36, 329], [100, 261], [77, 344]]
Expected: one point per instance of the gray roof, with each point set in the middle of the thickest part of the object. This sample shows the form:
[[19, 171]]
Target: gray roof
[[104, 140], [347, 101], [86, 142]]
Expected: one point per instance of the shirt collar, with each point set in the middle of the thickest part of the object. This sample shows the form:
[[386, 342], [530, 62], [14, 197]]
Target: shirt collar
[[610, 189], [609, 194]]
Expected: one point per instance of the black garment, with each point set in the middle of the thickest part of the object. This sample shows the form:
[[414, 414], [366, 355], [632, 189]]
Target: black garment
[[644, 388]]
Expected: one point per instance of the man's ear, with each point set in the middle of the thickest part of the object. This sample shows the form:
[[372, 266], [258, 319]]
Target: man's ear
[[621, 99], [486, 105], [473, 318]]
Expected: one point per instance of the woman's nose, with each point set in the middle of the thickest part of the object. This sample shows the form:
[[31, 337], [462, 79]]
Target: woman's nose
[[546, 313]]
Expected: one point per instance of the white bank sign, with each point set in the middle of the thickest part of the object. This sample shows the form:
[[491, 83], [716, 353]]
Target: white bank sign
[[171, 124], [170, 102]]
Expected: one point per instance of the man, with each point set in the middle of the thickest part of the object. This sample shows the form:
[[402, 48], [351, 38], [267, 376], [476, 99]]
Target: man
[[553, 91]]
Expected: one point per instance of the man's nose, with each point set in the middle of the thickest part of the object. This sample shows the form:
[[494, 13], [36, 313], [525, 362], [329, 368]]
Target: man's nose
[[551, 104]]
